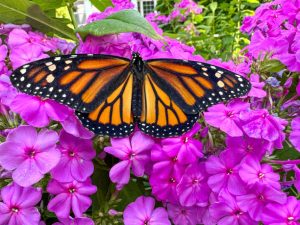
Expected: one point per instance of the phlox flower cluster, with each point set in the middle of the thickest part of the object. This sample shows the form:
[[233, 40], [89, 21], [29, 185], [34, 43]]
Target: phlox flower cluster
[[223, 171], [33, 151]]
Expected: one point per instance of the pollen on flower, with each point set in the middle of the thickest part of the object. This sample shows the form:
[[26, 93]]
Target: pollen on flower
[[229, 171], [290, 218], [15, 209], [30, 152], [261, 175], [72, 190]]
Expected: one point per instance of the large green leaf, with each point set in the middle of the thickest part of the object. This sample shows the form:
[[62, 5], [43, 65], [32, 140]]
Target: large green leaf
[[24, 11], [120, 22], [101, 4]]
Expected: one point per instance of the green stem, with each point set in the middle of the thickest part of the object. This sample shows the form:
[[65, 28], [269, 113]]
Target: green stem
[[71, 13]]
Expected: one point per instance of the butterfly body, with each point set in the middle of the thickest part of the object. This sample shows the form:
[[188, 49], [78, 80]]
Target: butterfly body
[[111, 95]]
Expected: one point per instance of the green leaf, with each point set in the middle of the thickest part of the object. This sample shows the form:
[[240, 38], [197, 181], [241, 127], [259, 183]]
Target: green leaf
[[101, 5], [288, 152], [24, 11], [46, 5], [120, 22], [271, 66], [213, 6]]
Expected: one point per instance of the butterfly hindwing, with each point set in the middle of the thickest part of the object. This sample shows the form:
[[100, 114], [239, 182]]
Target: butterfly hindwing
[[161, 116], [195, 86], [113, 116], [79, 81]]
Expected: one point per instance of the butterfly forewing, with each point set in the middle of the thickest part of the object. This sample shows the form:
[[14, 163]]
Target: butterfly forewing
[[113, 116], [195, 86], [80, 81]]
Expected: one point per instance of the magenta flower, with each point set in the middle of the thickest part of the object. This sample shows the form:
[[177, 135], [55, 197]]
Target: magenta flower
[[181, 215], [20, 56], [76, 159], [37, 111], [141, 212], [187, 149], [73, 195], [192, 188], [223, 172], [18, 204], [295, 133], [29, 154], [226, 117], [257, 198], [227, 211], [261, 125], [245, 145], [75, 221], [7, 91], [73, 126], [134, 152], [283, 214], [256, 87], [252, 172]]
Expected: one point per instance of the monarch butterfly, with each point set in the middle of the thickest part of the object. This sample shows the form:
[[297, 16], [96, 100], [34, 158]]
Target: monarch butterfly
[[111, 95]]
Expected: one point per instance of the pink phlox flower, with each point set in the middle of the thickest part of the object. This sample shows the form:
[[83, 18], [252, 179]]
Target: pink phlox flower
[[29, 154], [76, 159], [188, 149], [17, 206], [7, 91], [297, 177], [257, 87], [69, 196], [298, 88], [192, 188], [125, 4], [257, 198], [75, 221], [73, 126], [142, 211], [23, 55], [223, 172], [261, 125], [37, 111], [8, 27], [251, 172], [19, 38], [181, 215], [134, 153], [227, 117], [295, 133], [283, 214], [245, 145], [226, 211]]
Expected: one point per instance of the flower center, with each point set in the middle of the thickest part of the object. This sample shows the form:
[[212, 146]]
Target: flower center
[[249, 148], [238, 213], [132, 155], [290, 218], [15, 209], [174, 159], [71, 153], [195, 181], [261, 197], [72, 190], [229, 171], [185, 139], [172, 180], [146, 222], [31, 152], [261, 175], [229, 114], [183, 212]]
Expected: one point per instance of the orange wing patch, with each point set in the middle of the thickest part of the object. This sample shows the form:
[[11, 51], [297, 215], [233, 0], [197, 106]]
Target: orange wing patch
[[116, 109], [174, 67], [158, 108], [95, 64]]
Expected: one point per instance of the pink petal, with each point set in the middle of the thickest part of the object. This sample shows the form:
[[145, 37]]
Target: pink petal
[[24, 135], [81, 169], [56, 111], [11, 155], [29, 216], [27, 173], [47, 160], [80, 204], [4, 213], [46, 139], [60, 205], [141, 142], [120, 173], [62, 171]]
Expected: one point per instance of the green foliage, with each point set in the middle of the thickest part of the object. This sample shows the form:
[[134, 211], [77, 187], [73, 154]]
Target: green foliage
[[120, 22], [215, 33], [101, 5], [38, 16]]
